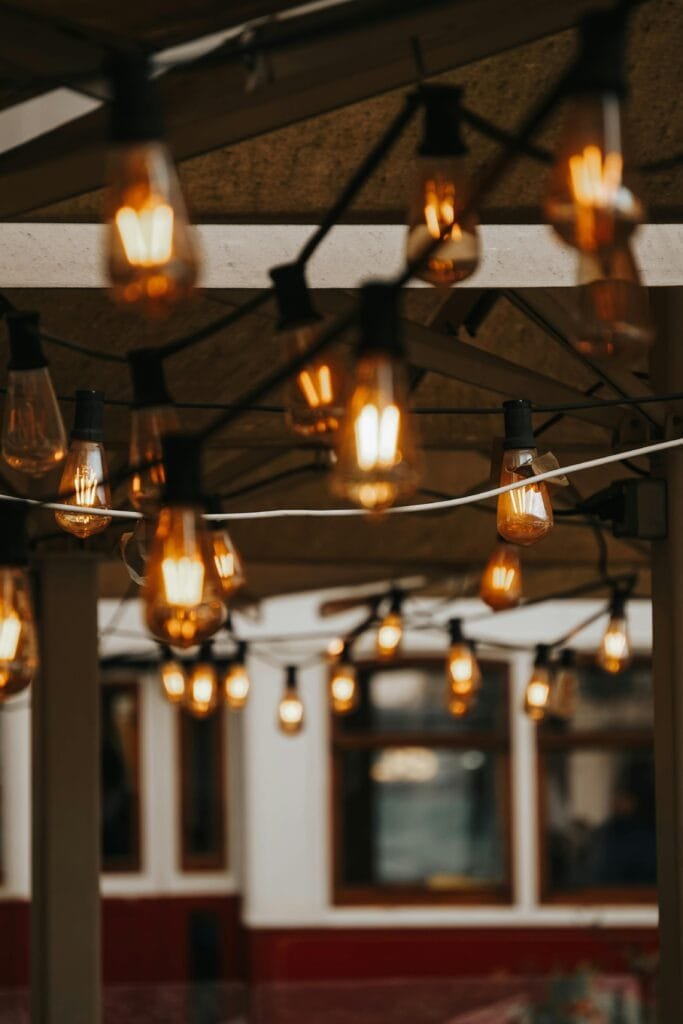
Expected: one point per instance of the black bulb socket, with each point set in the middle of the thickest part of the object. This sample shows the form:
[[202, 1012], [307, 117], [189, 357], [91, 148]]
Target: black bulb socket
[[542, 658], [181, 454], [519, 431], [205, 653], [25, 346], [294, 304], [135, 114], [601, 62], [292, 677], [618, 605], [442, 124], [89, 417], [380, 323], [13, 535], [567, 658], [241, 652], [149, 381], [455, 631]]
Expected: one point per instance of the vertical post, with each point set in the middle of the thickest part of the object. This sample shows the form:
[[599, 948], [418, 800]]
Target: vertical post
[[667, 597], [65, 917]]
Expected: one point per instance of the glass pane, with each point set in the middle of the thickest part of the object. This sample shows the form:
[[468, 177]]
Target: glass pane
[[600, 819], [120, 800], [423, 816], [620, 702], [203, 793], [411, 697]]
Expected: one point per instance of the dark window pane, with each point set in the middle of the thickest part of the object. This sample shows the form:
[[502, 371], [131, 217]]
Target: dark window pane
[[203, 793], [423, 816], [600, 820], [120, 745], [410, 697]]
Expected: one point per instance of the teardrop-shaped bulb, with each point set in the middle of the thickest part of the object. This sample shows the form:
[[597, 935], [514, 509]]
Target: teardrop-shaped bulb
[[612, 308], [564, 695], [501, 582], [614, 653], [524, 515], [439, 194], [173, 681], [236, 687], [18, 638], [291, 708], [84, 484], [182, 593], [314, 397], [202, 690], [148, 426], [227, 561], [33, 434], [462, 671], [343, 688]]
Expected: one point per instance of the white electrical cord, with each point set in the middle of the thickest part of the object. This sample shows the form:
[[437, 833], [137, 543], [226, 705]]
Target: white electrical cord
[[325, 513]]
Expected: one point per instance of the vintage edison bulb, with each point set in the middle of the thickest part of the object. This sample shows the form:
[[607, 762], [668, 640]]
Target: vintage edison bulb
[[236, 686], [83, 483], [148, 426], [151, 250], [18, 640], [462, 671], [202, 690], [389, 635], [525, 515], [440, 193], [565, 691], [377, 460], [33, 434], [614, 653], [588, 203], [501, 583], [182, 593], [291, 712], [537, 693], [457, 707], [173, 681], [613, 314], [343, 688], [314, 398], [227, 561]]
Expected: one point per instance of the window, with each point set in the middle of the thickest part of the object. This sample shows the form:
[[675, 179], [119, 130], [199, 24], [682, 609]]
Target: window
[[202, 792], [120, 766], [597, 810], [421, 800]]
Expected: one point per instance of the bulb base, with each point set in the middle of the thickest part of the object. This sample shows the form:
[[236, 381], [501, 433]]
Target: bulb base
[[519, 431], [295, 308], [380, 324], [149, 381], [26, 350], [601, 63], [13, 535], [89, 417], [442, 126], [136, 114], [182, 465]]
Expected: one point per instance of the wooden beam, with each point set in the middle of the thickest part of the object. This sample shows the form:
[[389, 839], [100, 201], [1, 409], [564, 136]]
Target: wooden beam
[[315, 63]]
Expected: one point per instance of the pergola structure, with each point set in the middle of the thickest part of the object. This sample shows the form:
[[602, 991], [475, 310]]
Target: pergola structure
[[278, 106]]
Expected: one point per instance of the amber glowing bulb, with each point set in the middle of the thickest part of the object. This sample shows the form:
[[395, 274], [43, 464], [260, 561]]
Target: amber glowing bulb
[[457, 707], [525, 514], [151, 250], [182, 593], [377, 455], [588, 203], [226, 557], [201, 696], [173, 678], [612, 307], [291, 708], [343, 684], [390, 630], [236, 683], [314, 397], [501, 582], [18, 636], [440, 193], [564, 695], [33, 435], [463, 675], [152, 417], [84, 477], [614, 653], [537, 695]]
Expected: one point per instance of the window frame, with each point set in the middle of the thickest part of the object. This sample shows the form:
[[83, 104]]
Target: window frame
[[344, 894], [133, 863], [191, 863], [586, 740]]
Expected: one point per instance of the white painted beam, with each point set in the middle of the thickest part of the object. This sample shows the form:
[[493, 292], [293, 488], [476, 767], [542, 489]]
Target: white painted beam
[[238, 255]]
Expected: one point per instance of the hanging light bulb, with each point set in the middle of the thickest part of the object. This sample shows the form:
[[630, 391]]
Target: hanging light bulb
[[377, 458], [84, 478], [151, 252], [564, 696], [501, 583], [18, 638], [314, 398], [458, 707], [390, 631], [335, 648], [525, 515], [613, 313], [202, 687], [343, 687], [537, 693], [33, 435], [463, 674], [226, 558], [236, 684], [153, 416], [441, 192], [589, 204], [614, 653], [291, 709], [173, 680], [182, 593]]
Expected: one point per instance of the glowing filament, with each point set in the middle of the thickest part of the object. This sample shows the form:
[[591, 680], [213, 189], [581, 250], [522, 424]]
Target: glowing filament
[[291, 711], [377, 437], [225, 564], [10, 631], [86, 483], [595, 183], [183, 580], [316, 385], [173, 679], [503, 578], [147, 233], [439, 210]]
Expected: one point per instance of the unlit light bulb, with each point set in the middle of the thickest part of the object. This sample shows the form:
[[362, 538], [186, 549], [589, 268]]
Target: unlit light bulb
[[565, 690], [612, 309], [501, 582], [84, 478]]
